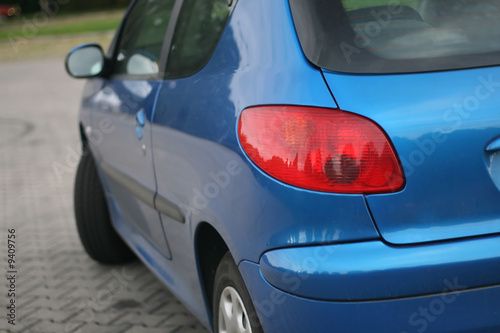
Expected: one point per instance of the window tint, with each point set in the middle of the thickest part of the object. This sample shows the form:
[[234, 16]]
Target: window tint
[[142, 39], [380, 36], [198, 30]]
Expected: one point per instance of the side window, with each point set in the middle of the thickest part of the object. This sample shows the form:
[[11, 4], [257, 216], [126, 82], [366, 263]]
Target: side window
[[142, 38], [198, 30]]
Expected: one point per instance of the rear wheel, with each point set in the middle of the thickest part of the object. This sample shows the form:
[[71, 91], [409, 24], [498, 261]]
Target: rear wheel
[[99, 238], [233, 308]]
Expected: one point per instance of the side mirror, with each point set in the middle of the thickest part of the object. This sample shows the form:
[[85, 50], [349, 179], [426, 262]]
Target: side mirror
[[85, 61]]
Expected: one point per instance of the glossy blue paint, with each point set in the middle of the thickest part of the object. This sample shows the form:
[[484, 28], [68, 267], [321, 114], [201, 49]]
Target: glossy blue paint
[[114, 108], [494, 146], [139, 131], [440, 124], [194, 140], [348, 272], [458, 312], [140, 119]]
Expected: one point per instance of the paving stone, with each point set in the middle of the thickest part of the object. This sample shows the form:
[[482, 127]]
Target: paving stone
[[144, 320], [143, 329]]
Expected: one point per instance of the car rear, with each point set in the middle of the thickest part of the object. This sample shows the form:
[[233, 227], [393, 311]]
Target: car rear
[[422, 76]]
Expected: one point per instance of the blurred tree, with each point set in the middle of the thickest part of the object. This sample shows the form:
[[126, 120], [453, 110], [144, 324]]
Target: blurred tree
[[29, 6], [79, 5], [32, 6]]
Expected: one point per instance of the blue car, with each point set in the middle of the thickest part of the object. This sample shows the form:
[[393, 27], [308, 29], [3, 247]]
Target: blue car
[[300, 165]]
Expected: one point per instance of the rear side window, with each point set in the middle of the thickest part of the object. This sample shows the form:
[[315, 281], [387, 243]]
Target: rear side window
[[398, 36], [199, 27], [142, 38]]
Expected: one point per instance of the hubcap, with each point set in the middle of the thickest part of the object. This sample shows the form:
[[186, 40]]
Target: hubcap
[[233, 317]]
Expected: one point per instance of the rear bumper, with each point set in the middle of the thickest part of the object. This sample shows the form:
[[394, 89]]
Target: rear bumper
[[387, 293], [374, 270]]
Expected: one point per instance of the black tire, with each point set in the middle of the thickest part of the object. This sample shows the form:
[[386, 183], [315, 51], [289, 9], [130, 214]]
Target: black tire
[[98, 237], [228, 280]]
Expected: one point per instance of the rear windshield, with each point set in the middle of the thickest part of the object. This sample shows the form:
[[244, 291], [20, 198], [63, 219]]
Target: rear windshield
[[398, 36]]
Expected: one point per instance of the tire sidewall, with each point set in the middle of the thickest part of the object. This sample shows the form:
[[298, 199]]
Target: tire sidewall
[[97, 234], [228, 275]]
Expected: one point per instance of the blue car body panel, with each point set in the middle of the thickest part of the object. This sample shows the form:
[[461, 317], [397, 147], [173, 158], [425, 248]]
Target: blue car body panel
[[195, 139], [276, 232], [116, 137], [453, 310], [348, 272], [440, 125]]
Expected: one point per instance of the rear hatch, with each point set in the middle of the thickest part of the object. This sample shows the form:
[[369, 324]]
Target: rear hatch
[[425, 72]]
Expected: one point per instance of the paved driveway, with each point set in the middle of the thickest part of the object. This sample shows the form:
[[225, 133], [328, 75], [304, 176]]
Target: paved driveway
[[57, 287]]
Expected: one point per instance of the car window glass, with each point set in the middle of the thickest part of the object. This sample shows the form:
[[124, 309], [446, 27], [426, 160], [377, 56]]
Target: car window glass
[[198, 30], [404, 36], [142, 39]]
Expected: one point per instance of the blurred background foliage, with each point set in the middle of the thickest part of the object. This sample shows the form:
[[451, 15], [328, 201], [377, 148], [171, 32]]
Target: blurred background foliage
[[33, 6], [51, 28]]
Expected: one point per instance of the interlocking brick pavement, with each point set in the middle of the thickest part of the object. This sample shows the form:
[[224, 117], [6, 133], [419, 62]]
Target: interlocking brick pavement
[[58, 287]]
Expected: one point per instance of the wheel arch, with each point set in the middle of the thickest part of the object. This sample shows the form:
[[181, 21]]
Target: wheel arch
[[210, 248]]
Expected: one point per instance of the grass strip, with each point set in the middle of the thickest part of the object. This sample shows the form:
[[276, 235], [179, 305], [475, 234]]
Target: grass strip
[[64, 25]]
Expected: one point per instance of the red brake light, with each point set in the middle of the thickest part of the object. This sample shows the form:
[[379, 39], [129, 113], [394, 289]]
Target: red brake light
[[324, 150]]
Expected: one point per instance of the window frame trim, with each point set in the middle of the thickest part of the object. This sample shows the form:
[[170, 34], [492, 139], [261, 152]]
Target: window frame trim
[[232, 5], [162, 75]]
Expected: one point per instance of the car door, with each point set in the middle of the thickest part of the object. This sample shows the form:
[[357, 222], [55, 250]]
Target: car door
[[187, 102], [123, 110]]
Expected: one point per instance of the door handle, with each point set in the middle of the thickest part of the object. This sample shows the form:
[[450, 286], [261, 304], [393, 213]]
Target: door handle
[[493, 146], [140, 119]]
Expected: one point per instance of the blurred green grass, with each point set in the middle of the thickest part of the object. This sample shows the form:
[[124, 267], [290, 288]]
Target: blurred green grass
[[27, 38], [60, 25], [356, 4]]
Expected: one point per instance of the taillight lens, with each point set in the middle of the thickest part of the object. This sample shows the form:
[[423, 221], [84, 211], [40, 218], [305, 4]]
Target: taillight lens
[[318, 149]]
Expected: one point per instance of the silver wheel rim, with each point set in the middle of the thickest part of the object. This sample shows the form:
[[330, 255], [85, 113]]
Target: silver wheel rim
[[233, 317]]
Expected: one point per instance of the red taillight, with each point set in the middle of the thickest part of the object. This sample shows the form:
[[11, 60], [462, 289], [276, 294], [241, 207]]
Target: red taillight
[[320, 149]]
